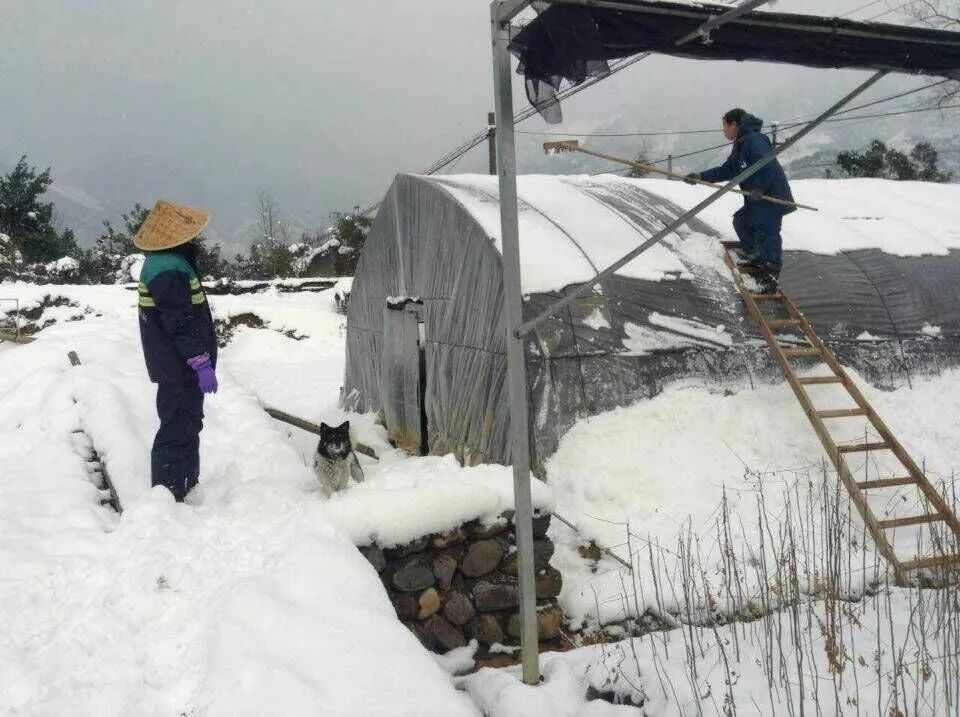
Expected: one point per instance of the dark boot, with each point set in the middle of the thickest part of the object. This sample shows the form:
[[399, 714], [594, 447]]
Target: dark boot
[[768, 279]]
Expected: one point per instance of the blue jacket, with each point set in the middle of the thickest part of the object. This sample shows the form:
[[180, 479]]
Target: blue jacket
[[750, 146], [175, 320]]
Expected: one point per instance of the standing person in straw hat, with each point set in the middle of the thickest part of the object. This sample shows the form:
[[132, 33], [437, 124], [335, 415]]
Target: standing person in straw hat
[[179, 344]]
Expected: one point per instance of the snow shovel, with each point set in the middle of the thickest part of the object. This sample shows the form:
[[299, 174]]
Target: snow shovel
[[573, 145]]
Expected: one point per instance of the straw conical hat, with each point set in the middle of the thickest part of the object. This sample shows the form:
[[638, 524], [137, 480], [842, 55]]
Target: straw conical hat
[[169, 225]]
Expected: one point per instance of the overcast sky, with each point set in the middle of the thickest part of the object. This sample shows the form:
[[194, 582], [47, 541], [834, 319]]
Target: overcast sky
[[320, 102]]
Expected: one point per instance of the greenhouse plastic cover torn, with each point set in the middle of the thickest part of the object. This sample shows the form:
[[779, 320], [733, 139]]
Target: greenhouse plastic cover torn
[[875, 271]]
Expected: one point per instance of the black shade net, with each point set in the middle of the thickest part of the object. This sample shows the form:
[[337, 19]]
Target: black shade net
[[572, 43]]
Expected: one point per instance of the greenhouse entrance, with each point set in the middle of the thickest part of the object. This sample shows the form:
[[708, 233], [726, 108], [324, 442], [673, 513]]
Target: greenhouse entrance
[[403, 374]]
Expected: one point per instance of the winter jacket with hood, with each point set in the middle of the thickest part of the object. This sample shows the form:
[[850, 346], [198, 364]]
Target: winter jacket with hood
[[175, 319], [750, 146]]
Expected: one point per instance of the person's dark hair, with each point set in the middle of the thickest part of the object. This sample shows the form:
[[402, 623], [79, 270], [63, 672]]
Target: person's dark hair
[[734, 116]]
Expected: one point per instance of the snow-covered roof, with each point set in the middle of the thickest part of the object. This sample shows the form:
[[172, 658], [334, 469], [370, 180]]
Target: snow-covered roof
[[571, 227]]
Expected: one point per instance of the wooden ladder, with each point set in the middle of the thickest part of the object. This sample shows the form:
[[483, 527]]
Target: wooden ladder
[[938, 508]]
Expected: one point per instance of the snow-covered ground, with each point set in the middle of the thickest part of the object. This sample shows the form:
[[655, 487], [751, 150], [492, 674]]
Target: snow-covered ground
[[256, 602], [252, 603]]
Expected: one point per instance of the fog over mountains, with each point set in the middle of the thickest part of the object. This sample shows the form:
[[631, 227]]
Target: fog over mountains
[[321, 103]]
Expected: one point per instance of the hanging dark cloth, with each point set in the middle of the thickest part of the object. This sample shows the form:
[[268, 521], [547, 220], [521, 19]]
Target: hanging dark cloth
[[575, 43]]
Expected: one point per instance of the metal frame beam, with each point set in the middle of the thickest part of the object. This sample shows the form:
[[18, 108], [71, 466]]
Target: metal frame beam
[[509, 9], [713, 23], [760, 20]]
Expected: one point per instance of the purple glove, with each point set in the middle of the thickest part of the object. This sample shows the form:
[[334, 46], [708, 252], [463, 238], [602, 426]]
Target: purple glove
[[205, 375]]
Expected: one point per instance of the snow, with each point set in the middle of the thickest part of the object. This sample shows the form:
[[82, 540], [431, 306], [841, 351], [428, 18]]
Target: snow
[[255, 601], [596, 320], [693, 329], [671, 333], [878, 668], [251, 603], [63, 266], [401, 501], [459, 659], [899, 218], [566, 234], [667, 464], [929, 330], [571, 226]]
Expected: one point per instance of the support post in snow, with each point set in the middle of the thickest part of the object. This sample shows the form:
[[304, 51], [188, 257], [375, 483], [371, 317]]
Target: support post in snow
[[587, 287], [774, 131], [492, 142], [670, 163], [512, 318]]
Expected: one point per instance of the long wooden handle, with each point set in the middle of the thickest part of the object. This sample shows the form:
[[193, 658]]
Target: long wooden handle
[[683, 177]]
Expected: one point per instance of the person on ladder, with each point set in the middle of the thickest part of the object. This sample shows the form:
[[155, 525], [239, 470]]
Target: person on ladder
[[758, 222], [179, 344]]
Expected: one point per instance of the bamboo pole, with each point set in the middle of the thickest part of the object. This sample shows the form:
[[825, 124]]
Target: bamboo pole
[[572, 145]]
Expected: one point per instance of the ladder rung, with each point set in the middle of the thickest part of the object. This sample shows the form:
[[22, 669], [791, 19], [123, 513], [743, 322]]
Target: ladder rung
[[780, 323], [912, 520], [801, 351], [886, 483], [861, 447], [815, 380], [843, 413], [930, 562], [767, 297]]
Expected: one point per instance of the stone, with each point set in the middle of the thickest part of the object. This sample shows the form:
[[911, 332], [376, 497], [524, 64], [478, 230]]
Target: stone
[[429, 603], [541, 524], [375, 557], [444, 566], [489, 596], [414, 546], [482, 557], [452, 537], [485, 532], [549, 623], [446, 635], [413, 575], [405, 605], [549, 582], [426, 639], [486, 630], [542, 552], [458, 609]]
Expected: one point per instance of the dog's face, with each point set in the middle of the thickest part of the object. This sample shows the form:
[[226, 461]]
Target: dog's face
[[335, 440]]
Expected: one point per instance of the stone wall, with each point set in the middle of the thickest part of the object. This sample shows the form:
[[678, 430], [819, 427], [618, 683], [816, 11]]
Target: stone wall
[[449, 588]]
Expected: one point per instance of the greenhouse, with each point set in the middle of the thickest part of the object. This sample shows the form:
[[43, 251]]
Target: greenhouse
[[426, 342]]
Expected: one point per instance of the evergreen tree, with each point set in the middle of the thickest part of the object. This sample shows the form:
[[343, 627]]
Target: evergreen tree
[[29, 221], [878, 160]]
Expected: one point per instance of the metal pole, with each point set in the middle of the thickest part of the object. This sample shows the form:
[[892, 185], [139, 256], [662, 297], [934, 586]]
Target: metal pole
[[774, 130], [713, 23], [584, 289], [670, 164], [512, 318], [492, 141]]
